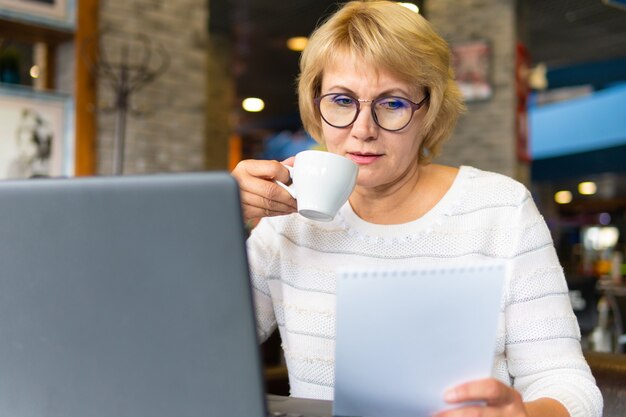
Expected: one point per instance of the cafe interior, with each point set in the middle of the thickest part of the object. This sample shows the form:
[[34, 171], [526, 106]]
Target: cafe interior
[[125, 87]]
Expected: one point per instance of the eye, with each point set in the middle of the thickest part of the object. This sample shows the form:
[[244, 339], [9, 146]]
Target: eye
[[343, 100], [391, 103]]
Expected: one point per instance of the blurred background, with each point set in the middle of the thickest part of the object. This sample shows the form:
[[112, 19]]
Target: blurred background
[[117, 87]]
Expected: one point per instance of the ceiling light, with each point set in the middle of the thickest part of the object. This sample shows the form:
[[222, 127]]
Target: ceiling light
[[587, 188], [410, 6], [297, 43], [538, 77], [253, 104], [563, 197], [34, 71]]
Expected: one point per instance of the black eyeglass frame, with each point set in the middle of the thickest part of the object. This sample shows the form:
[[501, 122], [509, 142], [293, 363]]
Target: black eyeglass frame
[[414, 106]]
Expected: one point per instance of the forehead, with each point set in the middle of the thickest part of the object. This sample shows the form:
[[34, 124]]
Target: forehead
[[353, 71]]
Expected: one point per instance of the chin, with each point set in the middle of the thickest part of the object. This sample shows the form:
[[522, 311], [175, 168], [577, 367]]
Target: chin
[[367, 181]]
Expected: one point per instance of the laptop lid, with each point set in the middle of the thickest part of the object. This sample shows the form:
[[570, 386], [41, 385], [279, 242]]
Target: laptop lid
[[126, 296]]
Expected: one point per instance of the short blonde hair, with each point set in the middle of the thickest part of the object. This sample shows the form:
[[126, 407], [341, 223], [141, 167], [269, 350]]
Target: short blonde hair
[[393, 38]]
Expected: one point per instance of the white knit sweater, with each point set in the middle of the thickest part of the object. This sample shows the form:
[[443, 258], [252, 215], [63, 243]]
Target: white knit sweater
[[483, 216]]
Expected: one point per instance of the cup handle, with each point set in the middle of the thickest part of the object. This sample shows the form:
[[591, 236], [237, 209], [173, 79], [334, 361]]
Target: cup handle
[[290, 189]]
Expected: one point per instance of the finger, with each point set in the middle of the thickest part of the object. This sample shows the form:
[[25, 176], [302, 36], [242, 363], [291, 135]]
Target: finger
[[270, 170], [289, 161], [251, 213], [490, 390], [255, 201], [257, 204], [267, 195], [259, 208]]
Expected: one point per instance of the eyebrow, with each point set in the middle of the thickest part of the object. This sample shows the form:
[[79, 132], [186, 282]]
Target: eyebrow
[[389, 92]]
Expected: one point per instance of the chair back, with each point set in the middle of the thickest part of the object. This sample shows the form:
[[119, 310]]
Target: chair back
[[609, 369]]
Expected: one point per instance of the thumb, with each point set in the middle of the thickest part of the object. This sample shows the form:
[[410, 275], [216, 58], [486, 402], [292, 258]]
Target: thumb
[[289, 161]]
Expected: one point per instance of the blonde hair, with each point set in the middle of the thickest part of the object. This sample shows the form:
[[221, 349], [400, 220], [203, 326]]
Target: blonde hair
[[390, 37]]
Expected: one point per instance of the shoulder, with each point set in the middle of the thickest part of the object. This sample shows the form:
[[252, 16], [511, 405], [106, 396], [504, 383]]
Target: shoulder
[[478, 192], [492, 188]]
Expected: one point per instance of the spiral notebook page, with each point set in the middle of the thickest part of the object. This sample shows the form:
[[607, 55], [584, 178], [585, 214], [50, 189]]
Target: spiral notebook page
[[404, 336]]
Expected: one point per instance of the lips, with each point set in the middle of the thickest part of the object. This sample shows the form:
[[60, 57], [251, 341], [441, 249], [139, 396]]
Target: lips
[[363, 158]]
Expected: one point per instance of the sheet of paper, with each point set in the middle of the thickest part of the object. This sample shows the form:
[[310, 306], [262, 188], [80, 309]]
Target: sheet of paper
[[404, 336]]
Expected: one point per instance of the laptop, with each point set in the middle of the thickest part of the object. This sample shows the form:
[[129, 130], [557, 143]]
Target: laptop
[[129, 296]]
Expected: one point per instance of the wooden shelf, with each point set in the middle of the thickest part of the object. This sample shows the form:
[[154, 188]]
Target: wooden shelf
[[31, 33], [85, 88]]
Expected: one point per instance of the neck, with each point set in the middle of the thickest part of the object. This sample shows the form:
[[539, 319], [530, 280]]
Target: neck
[[406, 200], [389, 203]]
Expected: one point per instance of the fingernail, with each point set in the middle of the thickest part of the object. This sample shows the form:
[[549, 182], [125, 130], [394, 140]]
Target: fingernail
[[450, 395]]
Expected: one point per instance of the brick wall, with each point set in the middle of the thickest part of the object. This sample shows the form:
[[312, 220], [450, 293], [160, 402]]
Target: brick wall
[[169, 135], [185, 125], [485, 135]]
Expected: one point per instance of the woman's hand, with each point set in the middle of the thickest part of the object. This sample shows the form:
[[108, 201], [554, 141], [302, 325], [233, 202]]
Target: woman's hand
[[260, 195], [499, 400]]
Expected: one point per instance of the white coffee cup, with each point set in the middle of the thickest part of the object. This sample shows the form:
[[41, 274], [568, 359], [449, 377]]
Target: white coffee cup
[[321, 183]]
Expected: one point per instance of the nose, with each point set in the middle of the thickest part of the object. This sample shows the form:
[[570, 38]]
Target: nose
[[364, 127]]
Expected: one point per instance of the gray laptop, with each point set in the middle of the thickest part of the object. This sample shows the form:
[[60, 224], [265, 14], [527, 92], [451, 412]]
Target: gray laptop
[[129, 297]]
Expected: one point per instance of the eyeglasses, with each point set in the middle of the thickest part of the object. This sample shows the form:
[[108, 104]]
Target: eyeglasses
[[390, 113]]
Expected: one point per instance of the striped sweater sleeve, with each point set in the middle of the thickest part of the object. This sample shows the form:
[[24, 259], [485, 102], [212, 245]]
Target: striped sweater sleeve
[[262, 257], [542, 335]]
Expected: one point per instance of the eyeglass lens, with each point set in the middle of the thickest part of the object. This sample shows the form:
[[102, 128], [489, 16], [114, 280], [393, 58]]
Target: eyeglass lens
[[390, 113]]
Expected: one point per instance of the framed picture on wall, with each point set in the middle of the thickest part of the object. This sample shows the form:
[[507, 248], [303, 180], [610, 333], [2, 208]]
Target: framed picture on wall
[[36, 133], [54, 13], [472, 67]]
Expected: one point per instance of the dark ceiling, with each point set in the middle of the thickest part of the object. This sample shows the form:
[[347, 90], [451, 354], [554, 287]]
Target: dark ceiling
[[263, 65], [559, 33], [566, 32]]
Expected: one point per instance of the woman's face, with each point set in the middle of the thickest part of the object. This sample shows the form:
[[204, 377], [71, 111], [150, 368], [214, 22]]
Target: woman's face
[[384, 158]]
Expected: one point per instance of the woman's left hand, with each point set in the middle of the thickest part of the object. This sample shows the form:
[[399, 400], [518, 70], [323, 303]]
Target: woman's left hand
[[499, 400]]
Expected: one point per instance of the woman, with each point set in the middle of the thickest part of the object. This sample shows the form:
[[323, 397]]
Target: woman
[[376, 87]]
